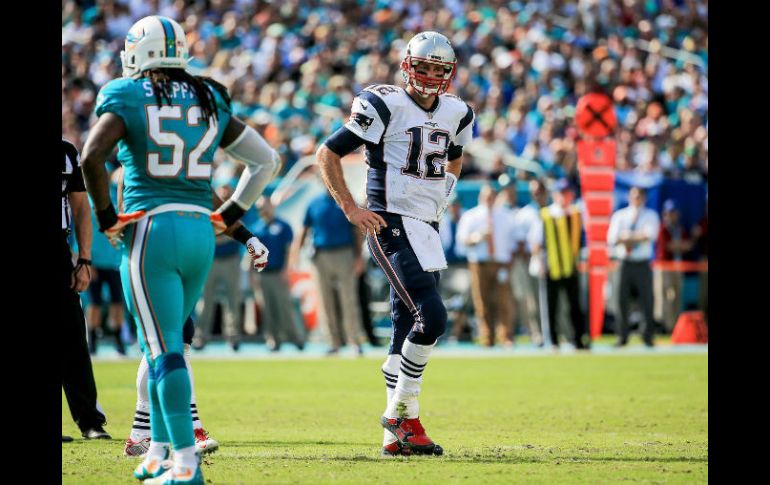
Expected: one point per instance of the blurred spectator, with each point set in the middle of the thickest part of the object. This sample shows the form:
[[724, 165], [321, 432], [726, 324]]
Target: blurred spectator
[[486, 233], [280, 321], [672, 243], [337, 263], [631, 234], [524, 280], [523, 65], [555, 241], [700, 235], [105, 272], [223, 280], [452, 283]]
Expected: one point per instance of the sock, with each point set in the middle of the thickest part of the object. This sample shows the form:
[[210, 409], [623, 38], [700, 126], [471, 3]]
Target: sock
[[185, 458], [414, 358], [193, 406], [174, 394], [390, 371], [141, 426], [157, 451]]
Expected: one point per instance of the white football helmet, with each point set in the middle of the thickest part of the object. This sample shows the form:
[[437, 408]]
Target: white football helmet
[[434, 48], [154, 41]]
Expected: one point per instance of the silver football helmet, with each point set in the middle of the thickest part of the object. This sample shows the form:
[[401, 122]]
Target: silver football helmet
[[434, 48]]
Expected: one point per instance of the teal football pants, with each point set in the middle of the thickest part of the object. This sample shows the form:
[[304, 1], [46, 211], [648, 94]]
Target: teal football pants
[[165, 264]]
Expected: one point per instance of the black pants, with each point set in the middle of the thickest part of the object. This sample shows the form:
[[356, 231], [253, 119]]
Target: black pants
[[77, 374], [570, 285], [636, 277]]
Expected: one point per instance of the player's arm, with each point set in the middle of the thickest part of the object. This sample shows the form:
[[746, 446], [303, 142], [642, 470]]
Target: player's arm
[[454, 165], [329, 156], [102, 139], [81, 216], [237, 231], [244, 144]]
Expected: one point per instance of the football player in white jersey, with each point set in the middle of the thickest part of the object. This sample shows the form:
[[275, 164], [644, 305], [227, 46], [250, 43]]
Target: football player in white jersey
[[414, 138]]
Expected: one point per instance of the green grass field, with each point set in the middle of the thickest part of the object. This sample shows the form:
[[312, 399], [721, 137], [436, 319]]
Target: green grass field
[[541, 419]]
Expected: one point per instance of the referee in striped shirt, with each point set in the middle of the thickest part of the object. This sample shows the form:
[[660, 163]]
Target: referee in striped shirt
[[77, 374]]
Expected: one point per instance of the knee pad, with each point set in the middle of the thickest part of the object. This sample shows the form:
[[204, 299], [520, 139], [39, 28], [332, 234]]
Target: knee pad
[[433, 322], [168, 362]]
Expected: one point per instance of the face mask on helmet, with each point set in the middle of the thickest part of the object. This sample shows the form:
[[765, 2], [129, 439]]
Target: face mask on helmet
[[432, 48], [154, 42]]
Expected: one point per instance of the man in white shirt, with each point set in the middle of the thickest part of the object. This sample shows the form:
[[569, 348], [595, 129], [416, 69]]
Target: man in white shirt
[[524, 280], [486, 232], [631, 234]]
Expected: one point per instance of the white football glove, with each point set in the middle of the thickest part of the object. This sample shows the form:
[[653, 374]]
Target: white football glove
[[258, 253]]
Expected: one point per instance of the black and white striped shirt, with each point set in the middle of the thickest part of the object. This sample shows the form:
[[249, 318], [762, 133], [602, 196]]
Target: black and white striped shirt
[[71, 180]]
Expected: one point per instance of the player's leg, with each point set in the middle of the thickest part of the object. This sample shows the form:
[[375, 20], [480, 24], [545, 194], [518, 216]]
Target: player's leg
[[94, 311], [138, 441], [402, 321], [419, 292], [160, 254], [203, 443], [115, 313]]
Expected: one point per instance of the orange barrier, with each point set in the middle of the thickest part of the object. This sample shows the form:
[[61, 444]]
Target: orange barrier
[[680, 266], [301, 286], [690, 328]]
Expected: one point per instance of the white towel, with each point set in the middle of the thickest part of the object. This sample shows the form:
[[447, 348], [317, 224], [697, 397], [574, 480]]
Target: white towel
[[426, 244]]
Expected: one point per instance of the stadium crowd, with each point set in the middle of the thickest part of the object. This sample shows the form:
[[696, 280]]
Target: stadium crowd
[[293, 68]]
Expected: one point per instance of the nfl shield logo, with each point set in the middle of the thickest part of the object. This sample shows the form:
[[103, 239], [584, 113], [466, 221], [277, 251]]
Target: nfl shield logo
[[396, 232]]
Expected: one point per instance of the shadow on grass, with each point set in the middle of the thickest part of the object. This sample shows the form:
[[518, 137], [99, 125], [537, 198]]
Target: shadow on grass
[[284, 450]]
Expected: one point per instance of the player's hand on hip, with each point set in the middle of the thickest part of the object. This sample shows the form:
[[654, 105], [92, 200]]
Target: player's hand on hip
[[258, 253], [366, 220], [218, 223], [115, 232]]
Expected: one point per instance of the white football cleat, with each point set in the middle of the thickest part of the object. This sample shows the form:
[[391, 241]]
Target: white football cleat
[[204, 443]]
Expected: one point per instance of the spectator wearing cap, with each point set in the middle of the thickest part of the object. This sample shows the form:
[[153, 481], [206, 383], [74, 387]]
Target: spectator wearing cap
[[555, 239], [672, 244], [631, 234]]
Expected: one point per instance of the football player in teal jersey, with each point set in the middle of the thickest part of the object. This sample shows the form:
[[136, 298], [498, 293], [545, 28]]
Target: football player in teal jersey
[[167, 125]]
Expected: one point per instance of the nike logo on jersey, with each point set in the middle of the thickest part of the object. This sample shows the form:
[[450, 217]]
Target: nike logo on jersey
[[431, 123], [364, 105]]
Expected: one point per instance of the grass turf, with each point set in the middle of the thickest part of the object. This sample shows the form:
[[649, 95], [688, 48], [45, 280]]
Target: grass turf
[[541, 419]]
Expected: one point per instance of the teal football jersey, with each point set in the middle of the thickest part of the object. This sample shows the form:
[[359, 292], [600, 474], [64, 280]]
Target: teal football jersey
[[167, 152]]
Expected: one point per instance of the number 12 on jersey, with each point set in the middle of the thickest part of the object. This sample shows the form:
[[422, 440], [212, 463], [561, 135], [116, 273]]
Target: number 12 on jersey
[[434, 161], [166, 169]]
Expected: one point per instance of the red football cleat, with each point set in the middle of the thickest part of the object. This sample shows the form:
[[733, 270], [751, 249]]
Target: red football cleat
[[395, 449], [411, 435]]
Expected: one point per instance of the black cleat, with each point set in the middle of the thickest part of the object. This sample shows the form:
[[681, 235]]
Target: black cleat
[[96, 433], [66, 439]]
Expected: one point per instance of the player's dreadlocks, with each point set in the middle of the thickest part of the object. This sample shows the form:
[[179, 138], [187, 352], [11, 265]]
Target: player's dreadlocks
[[162, 78]]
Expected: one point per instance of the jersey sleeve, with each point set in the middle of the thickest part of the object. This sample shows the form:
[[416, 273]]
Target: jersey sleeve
[[113, 98], [369, 117], [464, 133]]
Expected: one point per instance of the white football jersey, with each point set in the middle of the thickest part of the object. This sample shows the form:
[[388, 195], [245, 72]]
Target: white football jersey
[[407, 147]]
